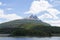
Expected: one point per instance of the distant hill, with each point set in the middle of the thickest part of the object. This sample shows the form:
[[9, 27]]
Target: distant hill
[[16, 23], [32, 20]]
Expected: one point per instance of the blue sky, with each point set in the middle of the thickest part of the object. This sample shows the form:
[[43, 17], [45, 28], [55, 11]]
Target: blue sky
[[46, 10]]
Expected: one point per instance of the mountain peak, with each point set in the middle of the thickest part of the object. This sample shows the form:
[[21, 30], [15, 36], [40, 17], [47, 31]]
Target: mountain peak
[[33, 17]]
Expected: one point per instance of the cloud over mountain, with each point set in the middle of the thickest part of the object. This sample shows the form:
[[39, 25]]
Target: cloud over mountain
[[38, 6], [9, 17]]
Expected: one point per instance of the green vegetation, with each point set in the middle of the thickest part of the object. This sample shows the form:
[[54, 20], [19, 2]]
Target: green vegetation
[[25, 32], [32, 30], [25, 27]]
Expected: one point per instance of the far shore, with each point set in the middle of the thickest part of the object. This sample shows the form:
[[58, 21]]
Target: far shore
[[8, 35], [4, 35]]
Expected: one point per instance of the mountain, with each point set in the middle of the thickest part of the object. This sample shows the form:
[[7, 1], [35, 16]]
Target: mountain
[[33, 20], [31, 26]]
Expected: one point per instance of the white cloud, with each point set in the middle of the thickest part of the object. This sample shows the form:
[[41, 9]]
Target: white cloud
[[46, 15], [1, 3], [56, 2], [9, 9], [38, 6], [53, 12], [1, 13], [43, 5], [9, 17], [12, 16], [54, 22]]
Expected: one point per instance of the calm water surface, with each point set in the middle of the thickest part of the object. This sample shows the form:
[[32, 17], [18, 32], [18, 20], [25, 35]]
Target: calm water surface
[[29, 38]]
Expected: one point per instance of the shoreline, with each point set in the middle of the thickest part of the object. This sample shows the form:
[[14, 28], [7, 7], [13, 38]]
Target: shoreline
[[9, 35], [4, 35]]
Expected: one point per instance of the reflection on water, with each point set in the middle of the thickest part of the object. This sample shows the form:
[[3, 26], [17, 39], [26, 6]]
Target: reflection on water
[[29, 38]]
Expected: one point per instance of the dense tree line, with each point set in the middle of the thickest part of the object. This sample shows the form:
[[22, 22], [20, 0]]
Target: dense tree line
[[30, 29], [24, 32]]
